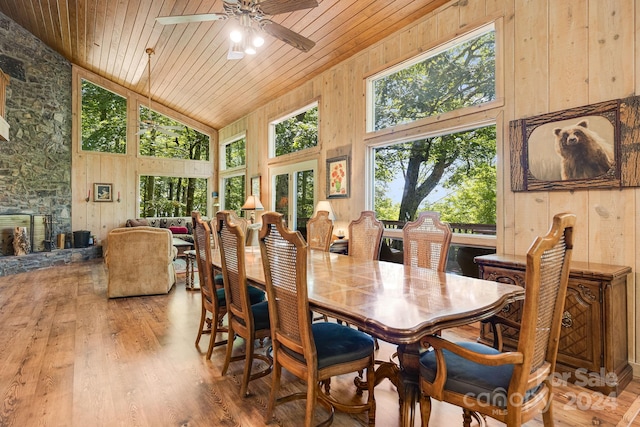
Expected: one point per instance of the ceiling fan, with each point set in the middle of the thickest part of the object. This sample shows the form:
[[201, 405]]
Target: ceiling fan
[[248, 12], [148, 124]]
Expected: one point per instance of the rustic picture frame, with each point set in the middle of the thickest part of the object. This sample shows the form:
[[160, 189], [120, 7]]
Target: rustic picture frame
[[338, 177], [102, 192], [541, 158]]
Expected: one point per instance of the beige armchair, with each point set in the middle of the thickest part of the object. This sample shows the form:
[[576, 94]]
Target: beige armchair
[[140, 261]]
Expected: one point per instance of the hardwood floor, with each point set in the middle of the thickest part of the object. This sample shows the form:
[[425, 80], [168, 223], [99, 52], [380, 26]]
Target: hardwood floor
[[71, 357]]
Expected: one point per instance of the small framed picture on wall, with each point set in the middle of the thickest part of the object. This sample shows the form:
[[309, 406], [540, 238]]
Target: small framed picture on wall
[[338, 179], [102, 192]]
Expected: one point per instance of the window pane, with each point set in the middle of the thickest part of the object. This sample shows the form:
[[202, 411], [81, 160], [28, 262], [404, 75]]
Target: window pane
[[161, 136], [461, 76], [297, 133], [282, 194], [104, 120], [304, 199], [162, 196], [234, 154], [234, 193], [454, 174]]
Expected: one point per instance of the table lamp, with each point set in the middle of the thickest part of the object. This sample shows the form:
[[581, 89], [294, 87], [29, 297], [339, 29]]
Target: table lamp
[[252, 204], [324, 205]]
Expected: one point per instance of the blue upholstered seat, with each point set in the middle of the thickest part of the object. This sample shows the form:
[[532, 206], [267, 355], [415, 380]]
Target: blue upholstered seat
[[255, 296], [218, 279], [260, 315], [489, 383], [337, 343]]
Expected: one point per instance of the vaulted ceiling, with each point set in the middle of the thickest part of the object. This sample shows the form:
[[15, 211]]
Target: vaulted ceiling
[[190, 72]]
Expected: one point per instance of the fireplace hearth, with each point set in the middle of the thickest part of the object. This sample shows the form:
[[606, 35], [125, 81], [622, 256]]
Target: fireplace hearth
[[38, 232]]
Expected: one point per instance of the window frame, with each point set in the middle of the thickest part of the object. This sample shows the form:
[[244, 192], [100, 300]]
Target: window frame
[[226, 173], [80, 107], [429, 52], [301, 153], [466, 118], [138, 118], [222, 153]]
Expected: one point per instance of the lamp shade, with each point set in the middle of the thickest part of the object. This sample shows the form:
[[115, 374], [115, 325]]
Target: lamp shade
[[252, 204], [324, 205]]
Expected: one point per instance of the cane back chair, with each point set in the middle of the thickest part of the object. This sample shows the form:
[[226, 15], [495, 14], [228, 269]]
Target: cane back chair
[[213, 300], [426, 242], [313, 352], [365, 236], [246, 320], [319, 231], [511, 387]]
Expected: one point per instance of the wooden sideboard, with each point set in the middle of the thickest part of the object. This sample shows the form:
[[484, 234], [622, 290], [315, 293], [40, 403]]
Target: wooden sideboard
[[593, 348]]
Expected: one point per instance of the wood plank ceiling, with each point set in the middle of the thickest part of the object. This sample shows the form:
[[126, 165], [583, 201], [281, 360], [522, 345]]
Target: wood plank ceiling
[[190, 72]]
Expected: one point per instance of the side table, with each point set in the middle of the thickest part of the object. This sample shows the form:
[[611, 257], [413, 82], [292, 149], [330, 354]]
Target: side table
[[190, 259]]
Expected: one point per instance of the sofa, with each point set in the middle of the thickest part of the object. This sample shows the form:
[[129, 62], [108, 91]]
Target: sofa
[[180, 227], [139, 261]]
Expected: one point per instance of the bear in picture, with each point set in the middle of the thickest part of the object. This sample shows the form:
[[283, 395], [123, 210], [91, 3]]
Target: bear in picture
[[583, 153]]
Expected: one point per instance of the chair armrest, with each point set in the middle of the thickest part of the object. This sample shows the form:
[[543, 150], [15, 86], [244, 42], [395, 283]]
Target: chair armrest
[[438, 344]]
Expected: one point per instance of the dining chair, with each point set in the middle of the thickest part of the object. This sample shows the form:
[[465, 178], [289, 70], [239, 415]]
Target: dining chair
[[365, 236], [246, 320], [426, 242], [313, 352], [319, 231], [213, 299], [511, 387]]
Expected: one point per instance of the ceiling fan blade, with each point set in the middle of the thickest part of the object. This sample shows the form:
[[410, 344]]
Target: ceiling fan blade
[[183, 19], [286, 35], [167, 132], [274, 7]]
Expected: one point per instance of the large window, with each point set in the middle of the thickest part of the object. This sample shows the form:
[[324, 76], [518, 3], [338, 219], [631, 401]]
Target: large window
[[162, 196], [450, 166], [233, 153], [104, 120], [161, 136], [295, 132], [458, 75], [454, 174]]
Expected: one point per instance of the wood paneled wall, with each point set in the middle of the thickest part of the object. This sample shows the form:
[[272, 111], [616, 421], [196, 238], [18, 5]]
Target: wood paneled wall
[[555, 55], [124, 170]]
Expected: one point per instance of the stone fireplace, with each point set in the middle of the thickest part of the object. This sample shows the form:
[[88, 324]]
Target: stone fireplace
[[39, 232]]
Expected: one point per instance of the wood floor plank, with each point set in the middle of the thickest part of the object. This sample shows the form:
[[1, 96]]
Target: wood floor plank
[[72, 357]]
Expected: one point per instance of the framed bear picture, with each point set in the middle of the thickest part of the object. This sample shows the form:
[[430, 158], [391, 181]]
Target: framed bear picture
[[578, 148]]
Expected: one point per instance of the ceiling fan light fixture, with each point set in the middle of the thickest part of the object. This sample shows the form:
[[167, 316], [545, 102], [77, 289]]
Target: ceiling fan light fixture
[[257, 40], [249, 50], [236, 36], [235, 51]]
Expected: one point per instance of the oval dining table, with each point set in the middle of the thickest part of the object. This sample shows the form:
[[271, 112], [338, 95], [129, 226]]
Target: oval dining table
[[392, 302]]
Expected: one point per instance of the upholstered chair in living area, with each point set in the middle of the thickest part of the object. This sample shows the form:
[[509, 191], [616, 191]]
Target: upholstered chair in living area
[[139, 261], [515, 386], [313, 352], [365, 236], [319, 231], [426, 242], [247, 321]]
